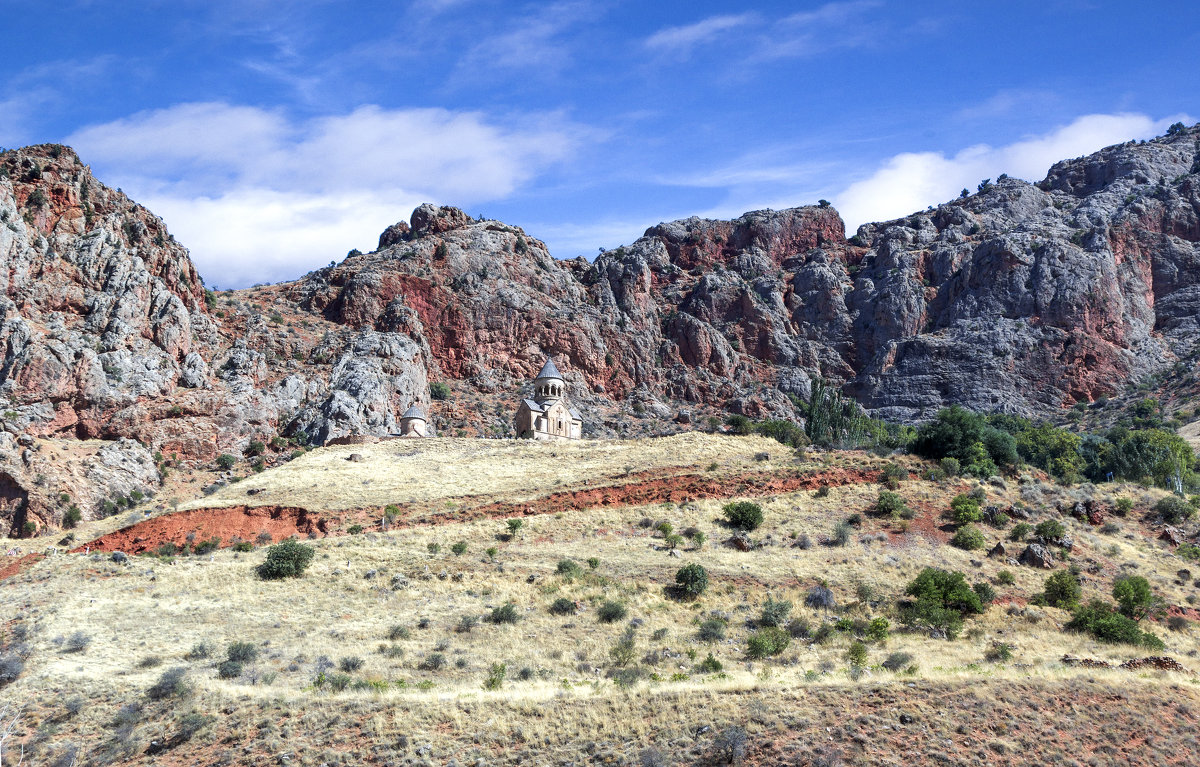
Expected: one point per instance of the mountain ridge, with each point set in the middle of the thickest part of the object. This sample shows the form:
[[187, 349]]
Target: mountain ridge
[[1022, 298]]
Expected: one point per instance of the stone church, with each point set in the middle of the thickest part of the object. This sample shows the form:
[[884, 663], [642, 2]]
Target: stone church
[[547, 416]]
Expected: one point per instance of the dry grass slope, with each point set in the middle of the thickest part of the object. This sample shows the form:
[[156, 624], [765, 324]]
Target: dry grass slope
[[416, 614]]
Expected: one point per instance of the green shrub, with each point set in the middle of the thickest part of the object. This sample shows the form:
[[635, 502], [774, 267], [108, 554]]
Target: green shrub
[[711, 630], [439, 391], [1123, 506], [856, 654], [593, 562], [459, 548], [1134, 597], [172, 684], [877, 629], [495, 677], [1006, 578], [692, 579], [965, 510], [229, 669], [225, 461], [1174, 509], [890, 504], [505, 613], [942, 599], [950, 466], [986, 593], [1020, 531], [767, 641], [241, 652], [1063, 590], [1050, 530], [1106, 624], [286, 560], [398, 632], [611, 612], [1188, 551], [775, 612], [746, 515], [205, 547], [896, 661], [568, 569], [562, 606], [256, 448], [841, 534], [710, 665], [433, 547], [969, 538], [354, 529], [243, 546], [71, 517]]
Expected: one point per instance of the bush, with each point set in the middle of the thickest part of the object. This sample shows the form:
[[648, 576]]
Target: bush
[[711, 630], [746, 515], [1006, 578], [350, 663], [172, 684], [225, 461], [1173, 509], [354, 529], [398, 632], [505, 613], [692, 579], [568, 568], [709, 665], [611, 612], [243, 546], [1134, 597], [432, 662], [1107, 625], [199, 651], [1020, 531], [1050, 530], [890, 504], [439, 391], [965, 510], [1063, 590], [969, 538], [986, 593], [11, 666], [896, 661], [562, 606], [286, 560], [856, 654], [78, 642], [775, 613], [495, 677], [950, 466], [1123, 506], [205, 547], [820, 597], [229, 669], [1188, 551], [459, 548], [767, 641], [71, 517], [241, 652], [841, 534], [942, 599], [594, 562], [877, 629]]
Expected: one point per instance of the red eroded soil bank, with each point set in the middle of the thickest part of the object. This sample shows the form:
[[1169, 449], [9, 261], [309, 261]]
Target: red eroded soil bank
[[285, 521], [224, 523]]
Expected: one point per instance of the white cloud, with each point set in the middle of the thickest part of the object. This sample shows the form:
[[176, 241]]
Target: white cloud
[[258, 196], [682, 39], [911, 181]]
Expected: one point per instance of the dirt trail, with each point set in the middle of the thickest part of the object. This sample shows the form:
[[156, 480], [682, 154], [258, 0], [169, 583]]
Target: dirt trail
[[284, 521], [17, 565]]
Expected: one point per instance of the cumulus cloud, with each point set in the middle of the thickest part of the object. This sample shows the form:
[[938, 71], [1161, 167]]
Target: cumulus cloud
[[911, 181], [258, 196]]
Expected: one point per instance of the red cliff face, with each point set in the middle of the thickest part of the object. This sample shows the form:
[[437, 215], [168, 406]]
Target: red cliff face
[[1023, 298]]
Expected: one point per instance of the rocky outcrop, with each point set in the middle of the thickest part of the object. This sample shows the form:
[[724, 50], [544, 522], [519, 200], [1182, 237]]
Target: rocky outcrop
[[1023, 298]]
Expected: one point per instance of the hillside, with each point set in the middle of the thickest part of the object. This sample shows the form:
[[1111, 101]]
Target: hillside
[[1022, 298], [447, 634]]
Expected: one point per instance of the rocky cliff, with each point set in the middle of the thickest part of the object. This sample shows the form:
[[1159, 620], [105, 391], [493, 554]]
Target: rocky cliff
[[1025, 298]]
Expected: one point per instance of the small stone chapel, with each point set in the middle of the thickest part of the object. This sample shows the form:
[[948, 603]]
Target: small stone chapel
[[547, 416]]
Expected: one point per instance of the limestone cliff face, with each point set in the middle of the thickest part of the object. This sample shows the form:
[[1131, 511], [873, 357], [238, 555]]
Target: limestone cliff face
[[1024, 298]]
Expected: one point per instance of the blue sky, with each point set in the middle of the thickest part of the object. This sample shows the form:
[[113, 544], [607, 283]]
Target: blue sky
[[275, 136]]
